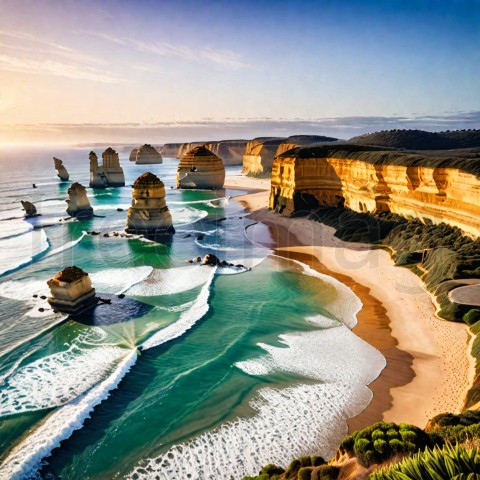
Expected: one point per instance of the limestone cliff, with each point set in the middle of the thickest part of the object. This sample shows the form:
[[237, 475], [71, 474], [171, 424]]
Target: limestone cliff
[[200, 168], [78, 203], [147, 155], [149, 214], [109, 174], [260, 152], [170, 150], [61, 170], [133, 155], [230, 151], [370, 180]]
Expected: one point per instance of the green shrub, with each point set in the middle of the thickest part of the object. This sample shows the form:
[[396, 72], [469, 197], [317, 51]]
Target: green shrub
[[392, 433], [293, 468], [304, 473], [328, 472], [378, 434], [441, 463], [472, 316], [380, 446], [317, 461], [396, 445], [271, 469]]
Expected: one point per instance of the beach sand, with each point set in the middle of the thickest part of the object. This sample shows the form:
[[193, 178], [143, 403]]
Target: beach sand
[[429, 367]]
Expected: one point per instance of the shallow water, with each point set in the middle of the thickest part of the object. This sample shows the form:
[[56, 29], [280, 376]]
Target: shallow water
[[198, 371]]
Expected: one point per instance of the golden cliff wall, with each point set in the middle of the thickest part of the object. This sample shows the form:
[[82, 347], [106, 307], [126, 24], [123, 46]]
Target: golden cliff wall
[[439, 194], [230, 151]]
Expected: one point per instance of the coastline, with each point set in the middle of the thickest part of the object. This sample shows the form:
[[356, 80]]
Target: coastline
[[429, 366]]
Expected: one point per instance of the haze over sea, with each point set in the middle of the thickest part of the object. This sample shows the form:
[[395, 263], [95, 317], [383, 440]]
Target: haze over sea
[[198, 372]]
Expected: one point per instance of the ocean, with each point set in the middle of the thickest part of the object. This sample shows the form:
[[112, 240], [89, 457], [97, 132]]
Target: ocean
[[197, 372]]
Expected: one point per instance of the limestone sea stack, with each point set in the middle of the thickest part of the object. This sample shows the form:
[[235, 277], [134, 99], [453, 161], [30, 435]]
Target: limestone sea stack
[[200, 168], [78, 204], [30, 209], [147, 154], [149, 214], [61, 170], [109, 174], [71, 291], [133, 155]]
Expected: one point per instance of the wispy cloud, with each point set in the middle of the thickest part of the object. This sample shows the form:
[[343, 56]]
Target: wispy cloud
[[59, 69], [224, 58], [39, 56]]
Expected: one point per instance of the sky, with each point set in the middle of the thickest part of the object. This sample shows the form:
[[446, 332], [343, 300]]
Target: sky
[[163, 71]]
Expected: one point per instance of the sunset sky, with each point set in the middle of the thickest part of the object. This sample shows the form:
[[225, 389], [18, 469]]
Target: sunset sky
[[73, 71]]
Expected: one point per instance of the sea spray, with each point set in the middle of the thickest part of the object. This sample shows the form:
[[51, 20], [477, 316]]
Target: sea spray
[[25, 459]]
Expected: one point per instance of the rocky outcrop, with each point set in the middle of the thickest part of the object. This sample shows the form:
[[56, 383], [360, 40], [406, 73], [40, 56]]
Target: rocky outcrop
[[72, 291], [260, 152], [133, 155], [365, 180], [200, 168], [61, 170], [230, 151], [147, 154], [170, 150], [30, 209], [149, 214], [420, 139], [109, 174], [78, 204]]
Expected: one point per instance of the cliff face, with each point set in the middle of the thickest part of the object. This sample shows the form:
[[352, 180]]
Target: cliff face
[[109, 174], [78, 204], [373, 181], [230, 151], [200, 168], [260, 152], [170, 150], [62, 173]]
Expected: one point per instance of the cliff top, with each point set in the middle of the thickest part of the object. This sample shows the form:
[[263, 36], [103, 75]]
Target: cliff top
[[379, 156], [75, 186], [70, 274], [148, 149], [110, 151], [147, 179], [307, 139], [200, 151], [420, 139]]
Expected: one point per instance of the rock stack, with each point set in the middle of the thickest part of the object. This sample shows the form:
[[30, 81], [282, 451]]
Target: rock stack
[[78, 204], [30, 209], [200, 168], [110, 174], [149, 214], [147, 154], [72, 291], [133, 155], [61, 170]]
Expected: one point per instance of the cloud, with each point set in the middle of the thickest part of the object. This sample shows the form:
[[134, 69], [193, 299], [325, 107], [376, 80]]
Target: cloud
[[54, 68], [104, 36], [210, 129]]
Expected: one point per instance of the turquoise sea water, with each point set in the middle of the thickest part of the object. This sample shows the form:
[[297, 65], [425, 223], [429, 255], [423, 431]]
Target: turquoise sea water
[[198, 372]]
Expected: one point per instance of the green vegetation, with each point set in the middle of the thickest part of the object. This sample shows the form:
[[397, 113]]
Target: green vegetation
[[441, 463], [382, 440], [420, 139]]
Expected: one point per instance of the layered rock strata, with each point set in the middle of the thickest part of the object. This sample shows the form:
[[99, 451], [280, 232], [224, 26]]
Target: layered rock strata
[[147, 154], [61, 170], [109, 174], [30, 209], [72, 291], [260, 152], [170, 150], [78, 203], [200, 168], [230, 151], [365, 180], [149, 214]]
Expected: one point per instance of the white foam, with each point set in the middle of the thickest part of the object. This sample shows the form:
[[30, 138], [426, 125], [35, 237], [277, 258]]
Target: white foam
[[187, 215], [290, 423], [14, 227], [187, 319], [171, 280], [217, 246], [25, 459], [118, 280], [67, 246], [346, 305], [56, 379], [21, 250], [23, 290], [330, 355]]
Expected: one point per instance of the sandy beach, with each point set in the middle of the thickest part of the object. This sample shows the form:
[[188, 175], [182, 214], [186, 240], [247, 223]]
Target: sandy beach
[[429, 367]]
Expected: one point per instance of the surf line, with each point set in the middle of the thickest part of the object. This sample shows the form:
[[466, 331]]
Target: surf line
[[26, 458]]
